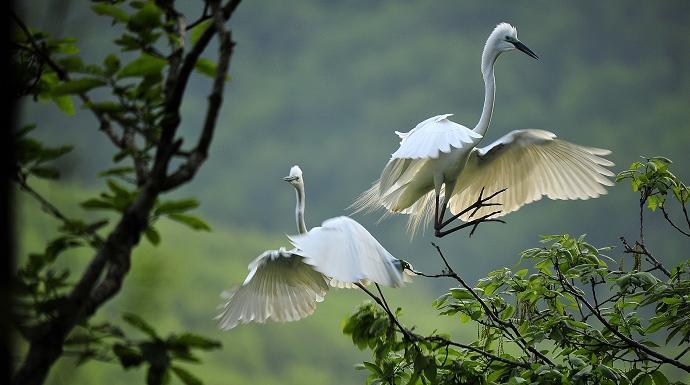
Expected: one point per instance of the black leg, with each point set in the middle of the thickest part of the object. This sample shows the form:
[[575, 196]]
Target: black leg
[[440, 224], [437, 220]]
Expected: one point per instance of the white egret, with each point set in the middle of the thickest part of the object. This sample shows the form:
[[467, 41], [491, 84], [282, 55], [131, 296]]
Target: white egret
[[285, 285], [439, 156]]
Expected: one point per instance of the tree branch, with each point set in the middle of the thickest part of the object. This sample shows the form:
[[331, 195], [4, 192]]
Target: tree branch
[[434, 338], [91, 291], [196, 158], [505, 325], [668, 219], [614, 330], [474, 207], [641, 249]]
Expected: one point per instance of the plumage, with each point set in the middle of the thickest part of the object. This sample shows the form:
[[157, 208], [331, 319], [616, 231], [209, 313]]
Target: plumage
[[440, 158], [279, 287], [286, 285], [531, 164], [433, 136], [344, 250]]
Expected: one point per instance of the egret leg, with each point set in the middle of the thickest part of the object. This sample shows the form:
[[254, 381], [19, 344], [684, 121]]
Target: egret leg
[[449, 187], [438, 181]]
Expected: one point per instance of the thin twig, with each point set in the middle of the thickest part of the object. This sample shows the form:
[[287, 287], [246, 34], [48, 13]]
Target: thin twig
[[668, 219], [517, 337], [51, 209], [632, 343], [642, 249]]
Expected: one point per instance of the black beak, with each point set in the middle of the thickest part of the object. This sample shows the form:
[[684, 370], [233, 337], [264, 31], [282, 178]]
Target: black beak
[[523, 48], [289, 178]]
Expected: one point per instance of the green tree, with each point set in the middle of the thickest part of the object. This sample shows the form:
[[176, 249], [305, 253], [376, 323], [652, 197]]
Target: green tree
[[569, 315], [135, 96]]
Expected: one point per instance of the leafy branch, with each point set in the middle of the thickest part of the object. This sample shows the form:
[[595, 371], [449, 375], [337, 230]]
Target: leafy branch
[[547, 322], [141, 118]]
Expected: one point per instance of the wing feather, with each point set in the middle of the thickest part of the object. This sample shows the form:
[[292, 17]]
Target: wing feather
[[531, 164], [279, 287], [344, 250]]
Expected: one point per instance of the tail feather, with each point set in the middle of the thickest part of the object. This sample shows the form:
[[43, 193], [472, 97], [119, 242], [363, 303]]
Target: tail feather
[[420, 213]]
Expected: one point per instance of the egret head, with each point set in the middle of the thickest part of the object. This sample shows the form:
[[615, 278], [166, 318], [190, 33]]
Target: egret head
[[504, 38], [295, 177]]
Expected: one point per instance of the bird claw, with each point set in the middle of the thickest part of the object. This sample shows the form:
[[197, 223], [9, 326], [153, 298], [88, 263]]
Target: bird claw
[[440, 224]]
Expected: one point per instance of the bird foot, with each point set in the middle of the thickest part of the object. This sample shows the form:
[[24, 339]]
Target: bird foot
[[440, 224]]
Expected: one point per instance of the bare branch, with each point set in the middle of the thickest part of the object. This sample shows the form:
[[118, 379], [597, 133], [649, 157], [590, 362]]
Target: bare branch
[[668, 219], [188, 169]]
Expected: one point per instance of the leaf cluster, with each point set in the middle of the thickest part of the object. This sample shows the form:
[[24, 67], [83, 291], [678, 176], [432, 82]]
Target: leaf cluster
[[161, 356]]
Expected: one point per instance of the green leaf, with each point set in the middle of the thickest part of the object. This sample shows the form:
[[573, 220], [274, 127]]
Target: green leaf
[[128, 356], [147, 18], [608, 372], [461, 293], [144, 65], [196, 32], [206, 67], [195, 223], [373, 368], [140, 324], [185, 376], [72, 64], [430, 371], [152, 235], [643, 379], [96, 204], [65, 104], [197, 341], [110, 10], [77, 86], [117, 171], [105, 106], [659, 377], [111, 64], [177, 206], [45, 172]]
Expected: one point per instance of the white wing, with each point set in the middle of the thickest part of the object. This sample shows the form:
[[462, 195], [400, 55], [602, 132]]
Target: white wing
[[531, 164], [344, 250], [279, 287], [432, 136]]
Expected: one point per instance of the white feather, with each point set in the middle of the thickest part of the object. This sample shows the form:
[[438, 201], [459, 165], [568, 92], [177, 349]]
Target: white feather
[[530, 164], [279, 287], [344, 250], [433, 136]]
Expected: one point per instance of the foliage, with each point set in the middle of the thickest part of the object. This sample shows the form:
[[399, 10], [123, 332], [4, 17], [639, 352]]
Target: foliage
[[136, 104], [569, 314], [108, 343]]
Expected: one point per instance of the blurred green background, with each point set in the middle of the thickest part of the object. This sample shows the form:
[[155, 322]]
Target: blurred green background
[[324, 84]]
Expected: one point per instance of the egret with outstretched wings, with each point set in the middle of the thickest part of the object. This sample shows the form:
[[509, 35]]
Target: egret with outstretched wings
[[440, 157], [285, 285]]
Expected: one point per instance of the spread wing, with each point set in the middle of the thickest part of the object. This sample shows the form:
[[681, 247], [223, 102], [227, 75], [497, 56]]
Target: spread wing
[[343, 249], [279, 287], [433, 136], [531, 164]]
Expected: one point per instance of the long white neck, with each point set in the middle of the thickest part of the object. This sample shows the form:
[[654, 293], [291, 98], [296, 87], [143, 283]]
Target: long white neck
[[299, 210], [489, 57]]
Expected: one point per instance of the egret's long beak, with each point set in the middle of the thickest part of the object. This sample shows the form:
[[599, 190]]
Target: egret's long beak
[[519, 45], [289, 178]]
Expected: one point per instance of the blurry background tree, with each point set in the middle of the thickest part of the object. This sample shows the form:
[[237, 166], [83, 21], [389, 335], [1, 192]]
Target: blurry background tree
[[324, 84], [136, 100], [570, 315]]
